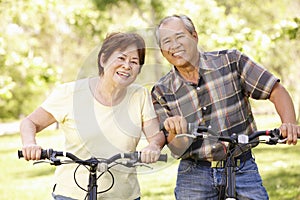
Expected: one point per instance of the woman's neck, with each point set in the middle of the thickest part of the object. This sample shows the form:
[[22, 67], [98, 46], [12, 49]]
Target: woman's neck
[[105, 92]]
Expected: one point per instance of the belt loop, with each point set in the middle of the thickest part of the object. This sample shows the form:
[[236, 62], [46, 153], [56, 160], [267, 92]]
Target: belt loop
[[217, 164]]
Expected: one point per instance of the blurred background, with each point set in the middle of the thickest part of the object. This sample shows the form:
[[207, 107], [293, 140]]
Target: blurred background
[[47, 42]]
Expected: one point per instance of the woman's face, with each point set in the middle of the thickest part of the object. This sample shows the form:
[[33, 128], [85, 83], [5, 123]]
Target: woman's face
[[122, 66]]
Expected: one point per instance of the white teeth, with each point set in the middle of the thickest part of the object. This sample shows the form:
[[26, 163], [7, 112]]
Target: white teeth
[[178, 53], [123, 74]]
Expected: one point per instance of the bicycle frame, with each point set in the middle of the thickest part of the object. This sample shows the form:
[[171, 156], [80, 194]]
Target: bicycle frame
[[230, 174], [233, 140]]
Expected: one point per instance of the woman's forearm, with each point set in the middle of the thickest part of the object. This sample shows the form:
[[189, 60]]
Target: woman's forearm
[[28, 132]]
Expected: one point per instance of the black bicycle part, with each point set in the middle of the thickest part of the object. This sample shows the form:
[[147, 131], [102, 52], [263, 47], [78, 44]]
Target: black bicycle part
[[230, 186], [93, 166], [51, 155]]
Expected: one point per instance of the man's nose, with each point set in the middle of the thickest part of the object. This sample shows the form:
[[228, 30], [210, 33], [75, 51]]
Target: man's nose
[[174, 44]]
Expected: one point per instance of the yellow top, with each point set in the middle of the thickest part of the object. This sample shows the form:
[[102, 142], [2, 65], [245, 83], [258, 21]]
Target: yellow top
[[92, 129]]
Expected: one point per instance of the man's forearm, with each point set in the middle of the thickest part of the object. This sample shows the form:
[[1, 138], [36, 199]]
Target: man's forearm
[[283, 104]]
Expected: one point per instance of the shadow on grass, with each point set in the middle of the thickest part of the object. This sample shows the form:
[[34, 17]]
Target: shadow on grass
[[279, 167], [33, 173], [264, 148], [9, 151], [283, 183]]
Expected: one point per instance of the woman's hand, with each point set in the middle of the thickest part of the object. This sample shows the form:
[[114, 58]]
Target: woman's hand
[[151, 153], [32, 152]]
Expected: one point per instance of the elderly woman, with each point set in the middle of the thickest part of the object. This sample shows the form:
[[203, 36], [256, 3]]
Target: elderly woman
[[100, 116]]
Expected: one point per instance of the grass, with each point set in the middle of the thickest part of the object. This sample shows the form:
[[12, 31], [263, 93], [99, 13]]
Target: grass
[[279, 166]]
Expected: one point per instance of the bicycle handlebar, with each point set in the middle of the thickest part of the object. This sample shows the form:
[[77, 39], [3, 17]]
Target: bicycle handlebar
[[275, 136], [95, 164], [52, 154]]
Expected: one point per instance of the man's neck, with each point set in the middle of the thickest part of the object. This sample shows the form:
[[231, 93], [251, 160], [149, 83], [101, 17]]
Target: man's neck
[[190, 72]]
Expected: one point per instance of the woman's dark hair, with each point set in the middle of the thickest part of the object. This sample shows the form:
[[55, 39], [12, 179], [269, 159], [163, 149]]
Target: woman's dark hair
[[120, 41]]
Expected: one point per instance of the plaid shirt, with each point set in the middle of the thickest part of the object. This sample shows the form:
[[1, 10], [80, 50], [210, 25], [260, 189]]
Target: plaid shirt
[[220, 100]]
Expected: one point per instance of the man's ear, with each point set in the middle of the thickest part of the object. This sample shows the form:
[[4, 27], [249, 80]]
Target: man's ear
[[195, 35]]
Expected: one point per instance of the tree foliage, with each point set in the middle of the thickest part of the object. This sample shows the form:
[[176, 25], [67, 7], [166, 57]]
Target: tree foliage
[[24, 71], [44, 42]]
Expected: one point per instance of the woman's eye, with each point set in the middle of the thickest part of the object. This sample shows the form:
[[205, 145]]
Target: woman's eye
[[134, 63], [121, 58]]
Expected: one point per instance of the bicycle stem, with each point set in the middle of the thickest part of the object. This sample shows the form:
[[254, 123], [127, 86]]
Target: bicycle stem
[[230, 178], [92, 186]]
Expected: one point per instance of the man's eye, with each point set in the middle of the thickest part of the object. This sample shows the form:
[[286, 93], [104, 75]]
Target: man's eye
[[166, 41]]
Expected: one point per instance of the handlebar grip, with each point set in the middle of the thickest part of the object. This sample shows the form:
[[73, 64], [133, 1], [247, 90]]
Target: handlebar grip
[[163, 157], [137, 155], [20, 154], [44, 154]]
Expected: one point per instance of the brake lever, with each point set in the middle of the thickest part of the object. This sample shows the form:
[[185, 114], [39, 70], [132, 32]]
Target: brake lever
[[142, 165], [282, 141], [185, 135], [43, 161], [276, 140]]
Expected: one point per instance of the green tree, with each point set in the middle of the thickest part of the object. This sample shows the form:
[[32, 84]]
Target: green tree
[[24, 72], [42, 42]]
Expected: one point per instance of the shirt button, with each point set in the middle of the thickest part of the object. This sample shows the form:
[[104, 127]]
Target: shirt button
[[198, 88], [204, 108]]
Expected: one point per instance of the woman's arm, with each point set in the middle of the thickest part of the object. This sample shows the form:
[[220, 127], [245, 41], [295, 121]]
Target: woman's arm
[[29, 127], [156, 140]]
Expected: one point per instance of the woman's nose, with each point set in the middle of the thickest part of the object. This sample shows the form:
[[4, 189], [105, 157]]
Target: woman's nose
[[127, 64]]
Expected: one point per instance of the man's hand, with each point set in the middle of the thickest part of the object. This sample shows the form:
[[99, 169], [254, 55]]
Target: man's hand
[[176, 125], [291, 132]]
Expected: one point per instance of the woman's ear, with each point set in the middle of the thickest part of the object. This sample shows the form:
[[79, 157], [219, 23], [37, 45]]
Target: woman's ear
[[102, 59]]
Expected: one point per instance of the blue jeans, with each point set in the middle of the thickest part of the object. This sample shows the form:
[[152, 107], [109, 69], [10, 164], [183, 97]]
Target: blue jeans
[[196, 182]]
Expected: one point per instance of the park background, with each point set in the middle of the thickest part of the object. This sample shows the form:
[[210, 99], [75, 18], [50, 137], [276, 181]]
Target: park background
[[47, 42]]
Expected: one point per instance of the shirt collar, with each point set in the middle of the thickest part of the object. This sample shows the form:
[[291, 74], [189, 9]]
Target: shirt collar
[[177, 79]]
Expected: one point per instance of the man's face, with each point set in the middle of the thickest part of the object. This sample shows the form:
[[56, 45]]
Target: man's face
[[178, 45]]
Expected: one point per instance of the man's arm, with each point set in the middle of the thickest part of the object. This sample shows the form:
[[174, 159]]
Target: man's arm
[[174, 126], [285, 109]]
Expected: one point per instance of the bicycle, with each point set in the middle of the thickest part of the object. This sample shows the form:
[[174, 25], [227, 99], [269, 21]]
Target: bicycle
[[234, 142], [132, 159]]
